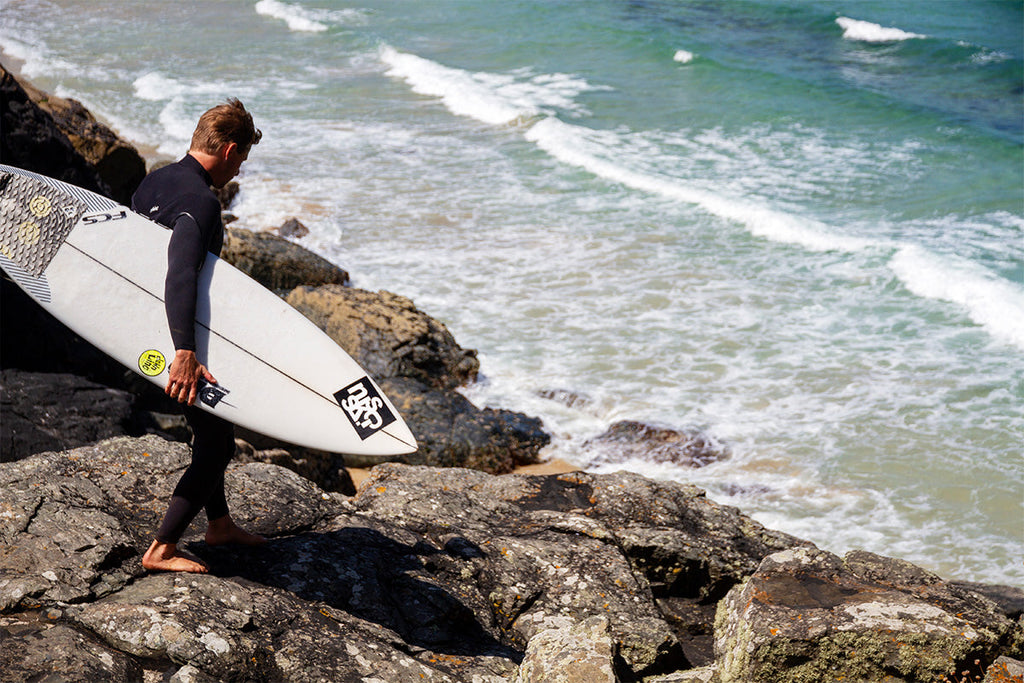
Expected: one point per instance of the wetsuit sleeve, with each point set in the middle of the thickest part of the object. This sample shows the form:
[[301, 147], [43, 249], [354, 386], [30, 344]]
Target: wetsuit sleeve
[[185, 255]]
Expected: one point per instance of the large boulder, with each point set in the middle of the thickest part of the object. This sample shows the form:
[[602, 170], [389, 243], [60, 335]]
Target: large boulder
[[276, 263], [45, 412], [582, 653], [30, 648], [32, 140], [630, 540], [452, 432], [806, 614], [117, 162], [387, 335], [629, 440]]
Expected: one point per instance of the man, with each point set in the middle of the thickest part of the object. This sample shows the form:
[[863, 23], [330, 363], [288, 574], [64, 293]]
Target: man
[[179, 197]]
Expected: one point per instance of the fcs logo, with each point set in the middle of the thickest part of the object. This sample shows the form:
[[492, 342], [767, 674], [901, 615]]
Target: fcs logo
[[364, 408]]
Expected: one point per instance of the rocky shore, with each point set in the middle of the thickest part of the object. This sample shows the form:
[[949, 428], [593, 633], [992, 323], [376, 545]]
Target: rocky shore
[[445, 567]]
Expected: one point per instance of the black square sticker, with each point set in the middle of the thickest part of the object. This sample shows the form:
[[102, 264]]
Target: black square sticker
[[364, 408]]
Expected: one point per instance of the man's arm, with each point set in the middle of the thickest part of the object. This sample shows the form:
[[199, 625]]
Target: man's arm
[[185, 255]]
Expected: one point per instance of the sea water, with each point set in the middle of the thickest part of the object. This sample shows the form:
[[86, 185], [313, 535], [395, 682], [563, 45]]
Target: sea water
[[794, 226]]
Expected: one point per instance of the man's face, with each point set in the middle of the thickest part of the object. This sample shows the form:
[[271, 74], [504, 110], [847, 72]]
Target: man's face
[[229, 162]]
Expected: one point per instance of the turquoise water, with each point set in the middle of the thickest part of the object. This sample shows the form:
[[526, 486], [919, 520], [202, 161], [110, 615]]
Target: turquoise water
[[795, 226]]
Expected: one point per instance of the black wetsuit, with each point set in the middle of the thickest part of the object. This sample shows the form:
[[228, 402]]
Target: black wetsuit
[[179, 197]]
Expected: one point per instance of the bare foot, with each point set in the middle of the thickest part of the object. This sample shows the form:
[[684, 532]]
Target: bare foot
[[224, 530], [166, 557]]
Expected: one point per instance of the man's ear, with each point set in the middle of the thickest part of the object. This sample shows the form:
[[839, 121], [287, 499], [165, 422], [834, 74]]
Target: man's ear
[[225, 151]]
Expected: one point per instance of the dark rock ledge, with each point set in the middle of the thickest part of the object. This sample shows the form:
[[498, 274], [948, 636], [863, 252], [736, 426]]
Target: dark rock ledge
[[426, 573], [451, 574]]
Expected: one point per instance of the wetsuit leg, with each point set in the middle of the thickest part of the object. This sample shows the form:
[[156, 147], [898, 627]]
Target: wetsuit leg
[[202, 484]]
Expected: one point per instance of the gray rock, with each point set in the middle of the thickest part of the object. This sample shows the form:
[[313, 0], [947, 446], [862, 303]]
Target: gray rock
[[452, 574], [276, 263], [231, 629], [512, 530], [116, 161], [387, 335], [191, 674], [56, 653], [326, 470], [49, 411], [293, 228], [704, 674], [31, 139], [1005, 670], [805, 615], [74, 524], [452, 432], [628, 440], [581, 653]]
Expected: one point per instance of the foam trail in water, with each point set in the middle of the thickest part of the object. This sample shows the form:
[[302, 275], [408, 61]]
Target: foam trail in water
[[683, 56], [865, 31], [492, 98], [502, 99], [994, 303], [568, 144]]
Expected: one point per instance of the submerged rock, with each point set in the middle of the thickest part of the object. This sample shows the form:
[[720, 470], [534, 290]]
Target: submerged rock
[[293, 228], [628, 440]]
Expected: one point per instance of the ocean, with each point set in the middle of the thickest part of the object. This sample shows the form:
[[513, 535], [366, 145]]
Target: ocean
[[796, 226]]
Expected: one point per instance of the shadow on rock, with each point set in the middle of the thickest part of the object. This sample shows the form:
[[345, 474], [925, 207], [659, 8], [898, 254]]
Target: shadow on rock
[[371, 576]]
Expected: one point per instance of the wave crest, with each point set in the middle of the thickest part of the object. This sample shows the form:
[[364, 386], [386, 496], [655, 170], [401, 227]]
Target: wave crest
[[865, 31]]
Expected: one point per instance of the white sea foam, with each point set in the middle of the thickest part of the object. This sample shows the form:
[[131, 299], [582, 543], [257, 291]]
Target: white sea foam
[[38, 60], [570, 144], [298, 18], [185, 101], [155, 87], [994, 303], [492, 98], [865, 31], [683, 56], [33, 57]]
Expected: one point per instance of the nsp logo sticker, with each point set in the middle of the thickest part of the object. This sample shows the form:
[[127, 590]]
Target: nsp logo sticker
[[364, 408], [212, 394]]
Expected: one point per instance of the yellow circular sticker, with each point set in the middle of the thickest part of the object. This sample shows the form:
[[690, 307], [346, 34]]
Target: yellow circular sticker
[[152, 363], [40, 206], [29, 234]]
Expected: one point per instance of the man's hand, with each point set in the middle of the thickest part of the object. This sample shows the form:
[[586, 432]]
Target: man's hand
[[184, 376]]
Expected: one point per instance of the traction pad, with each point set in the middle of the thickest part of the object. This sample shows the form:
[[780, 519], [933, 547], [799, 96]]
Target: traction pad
[[35, 219]]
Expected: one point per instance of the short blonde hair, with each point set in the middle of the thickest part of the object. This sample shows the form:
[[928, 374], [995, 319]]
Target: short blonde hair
[[225, 123]]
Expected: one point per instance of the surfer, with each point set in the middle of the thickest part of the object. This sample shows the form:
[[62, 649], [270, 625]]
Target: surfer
[[179, 197]]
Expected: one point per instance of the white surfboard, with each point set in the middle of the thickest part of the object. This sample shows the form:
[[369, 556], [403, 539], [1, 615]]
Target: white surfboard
[[99, 268]]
